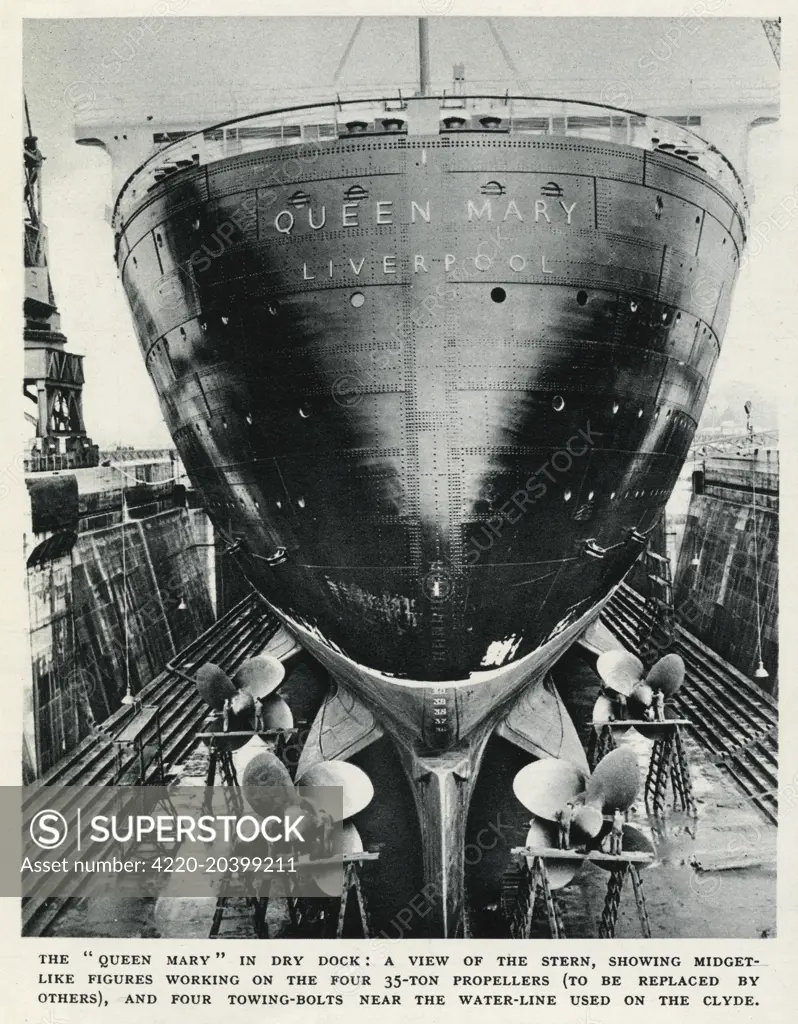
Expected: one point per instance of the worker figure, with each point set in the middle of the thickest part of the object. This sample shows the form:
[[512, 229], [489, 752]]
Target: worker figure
[[311, 830], [325, 833], [564, 819], [616, 835], [659, 706], [619, 708]]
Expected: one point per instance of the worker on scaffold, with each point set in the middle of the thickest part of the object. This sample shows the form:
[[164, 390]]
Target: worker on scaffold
[[616, 835], [564, 819]]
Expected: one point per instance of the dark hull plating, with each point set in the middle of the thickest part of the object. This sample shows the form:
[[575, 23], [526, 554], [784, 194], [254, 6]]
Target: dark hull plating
[[437, 390]]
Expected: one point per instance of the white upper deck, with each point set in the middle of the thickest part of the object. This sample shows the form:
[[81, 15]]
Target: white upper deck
[[310, 128]]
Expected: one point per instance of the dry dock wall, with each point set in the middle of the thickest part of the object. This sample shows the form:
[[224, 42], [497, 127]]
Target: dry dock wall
[[732, 530], [83, 586]]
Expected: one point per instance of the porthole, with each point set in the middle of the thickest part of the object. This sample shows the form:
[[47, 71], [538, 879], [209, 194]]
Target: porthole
[[498, 294], [639, 413], [248, 418], [567, 496], [633, 306], [581, 297], [590, 496], [612, 496], [357, 299], [304, 412], [279, 504], [301, 502], [558, 403], [615, 408]]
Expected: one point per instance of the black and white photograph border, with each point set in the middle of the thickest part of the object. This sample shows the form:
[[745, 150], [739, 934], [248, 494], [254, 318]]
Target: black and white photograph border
[[401, 403]]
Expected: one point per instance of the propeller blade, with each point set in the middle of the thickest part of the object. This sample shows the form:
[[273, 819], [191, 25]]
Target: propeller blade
[[214, 685], [620, 671], [544, 834], [260, 676], [588, 819], [544, 787], [615, 782], [634, 841], [640, 700], [263, 773], [266, 769], [603, 711], [250, 750], [667, 675], [357, 787], [347, 841], [275, 713]]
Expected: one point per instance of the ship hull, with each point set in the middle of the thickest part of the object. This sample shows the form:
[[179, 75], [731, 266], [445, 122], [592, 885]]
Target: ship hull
[[435, 392]]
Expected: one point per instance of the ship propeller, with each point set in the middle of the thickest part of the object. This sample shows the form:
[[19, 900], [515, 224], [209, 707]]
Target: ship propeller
[[663, 681], [214, 685], [623, 677], [358, 791], [260, 676], [569, 808]]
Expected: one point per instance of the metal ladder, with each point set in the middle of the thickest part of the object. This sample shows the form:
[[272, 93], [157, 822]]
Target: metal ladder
[[534, 883], [669, 762], [612, 901], [657, 628]]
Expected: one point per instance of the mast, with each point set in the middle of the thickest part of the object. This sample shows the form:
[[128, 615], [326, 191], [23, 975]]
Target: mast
[[423, 56]]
